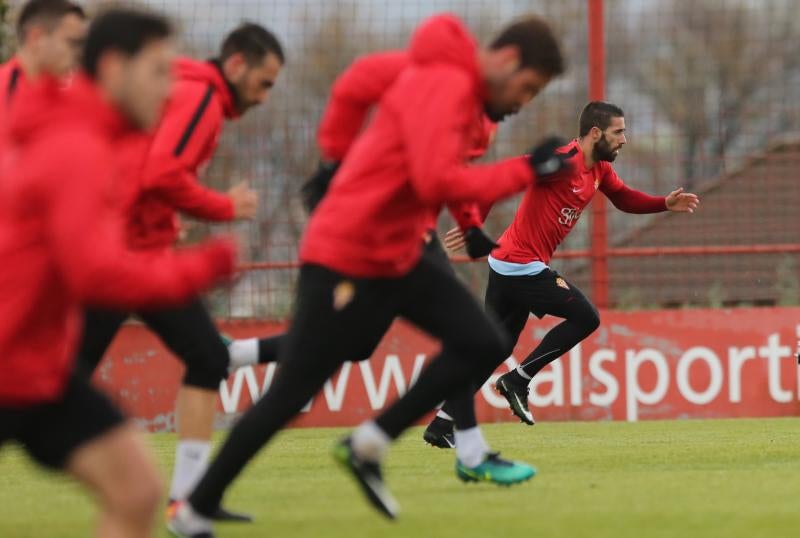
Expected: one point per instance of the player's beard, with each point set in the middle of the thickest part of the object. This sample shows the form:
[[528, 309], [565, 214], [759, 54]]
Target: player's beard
[[602, 151]]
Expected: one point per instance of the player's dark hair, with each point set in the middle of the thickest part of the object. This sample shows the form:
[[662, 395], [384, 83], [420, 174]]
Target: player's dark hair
[[126, 31], [538, 47], [253, 41], [48, 13], [598, 114]]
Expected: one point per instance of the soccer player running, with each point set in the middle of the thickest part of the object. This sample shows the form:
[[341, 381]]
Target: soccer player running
[[520, 279], [50, 34], [361, 254], [355, 93], [163, 181], [61, 247]]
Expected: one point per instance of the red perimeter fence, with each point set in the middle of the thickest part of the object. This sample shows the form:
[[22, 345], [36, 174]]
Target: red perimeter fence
[[710, 89]]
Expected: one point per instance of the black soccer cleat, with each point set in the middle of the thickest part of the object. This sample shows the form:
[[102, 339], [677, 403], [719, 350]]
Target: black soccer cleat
[[440, 433], [369, 477], [515, 390]]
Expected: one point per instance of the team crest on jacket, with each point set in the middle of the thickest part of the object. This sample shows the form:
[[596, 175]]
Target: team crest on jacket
[[343, 294], [561, 283]]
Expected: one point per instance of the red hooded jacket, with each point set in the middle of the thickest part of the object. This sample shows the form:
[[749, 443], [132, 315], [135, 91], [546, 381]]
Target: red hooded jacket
[[411, 160], [62, 240], [181, 147], [356, 91]]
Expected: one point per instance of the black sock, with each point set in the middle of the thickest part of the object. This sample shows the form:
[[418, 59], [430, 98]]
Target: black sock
[[269, 348], [555, 343]]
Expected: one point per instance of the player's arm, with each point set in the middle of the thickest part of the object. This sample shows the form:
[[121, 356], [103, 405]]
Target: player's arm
[[631, 200], [86, 236], [353, 95], [185, 134]]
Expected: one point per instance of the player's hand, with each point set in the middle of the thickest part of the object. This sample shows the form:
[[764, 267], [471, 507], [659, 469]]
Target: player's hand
[[479, 245], [317, 185], [548, 164], [245, 201], [682, 202], [454, 240]]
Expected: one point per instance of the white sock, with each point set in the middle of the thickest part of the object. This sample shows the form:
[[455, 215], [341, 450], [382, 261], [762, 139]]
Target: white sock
[[471, 447], [521, 372], [191, 461], [243, 352], [370, 442], [442, 414]]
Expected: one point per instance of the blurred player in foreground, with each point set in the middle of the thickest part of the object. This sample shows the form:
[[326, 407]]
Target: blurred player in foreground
[[61, 246], [520, 279], [161, 180], [362, 254]]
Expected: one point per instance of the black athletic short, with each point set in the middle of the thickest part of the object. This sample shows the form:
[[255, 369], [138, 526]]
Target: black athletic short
[[512, 298], [188, 331], [51, 432]]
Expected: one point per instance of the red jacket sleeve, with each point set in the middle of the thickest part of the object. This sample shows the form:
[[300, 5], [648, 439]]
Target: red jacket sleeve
[[630, 200], [181, 189], [354, 93], [86, 236], [467, 215], [435, 119], [185, 139]]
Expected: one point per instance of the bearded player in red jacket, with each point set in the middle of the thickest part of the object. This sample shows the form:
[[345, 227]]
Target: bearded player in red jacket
[[62, 246], [164, 180], [362, 254], [521, 281]]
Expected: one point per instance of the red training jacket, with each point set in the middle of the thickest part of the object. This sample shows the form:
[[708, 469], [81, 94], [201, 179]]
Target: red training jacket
[[354, 94], [548, 212], [62, 241], [410, 160], [181, 147]]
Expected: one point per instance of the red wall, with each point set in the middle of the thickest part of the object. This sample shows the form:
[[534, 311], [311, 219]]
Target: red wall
[[638, 365]]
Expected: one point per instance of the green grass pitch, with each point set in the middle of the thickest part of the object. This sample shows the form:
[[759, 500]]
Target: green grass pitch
[[723, 478]]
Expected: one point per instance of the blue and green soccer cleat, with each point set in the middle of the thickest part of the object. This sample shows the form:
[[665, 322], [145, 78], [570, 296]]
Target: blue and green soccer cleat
[[496, 469]]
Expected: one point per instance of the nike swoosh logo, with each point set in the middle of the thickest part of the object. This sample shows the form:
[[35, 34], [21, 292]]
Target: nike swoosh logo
[[576, 191]]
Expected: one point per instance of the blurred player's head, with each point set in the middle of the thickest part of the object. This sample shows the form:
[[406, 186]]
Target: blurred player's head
[[251, 58], [604, 125], [50, 35], [518, 64], [129, 54]]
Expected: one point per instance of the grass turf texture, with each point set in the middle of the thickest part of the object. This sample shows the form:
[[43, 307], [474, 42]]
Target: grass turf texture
[[725, 478]]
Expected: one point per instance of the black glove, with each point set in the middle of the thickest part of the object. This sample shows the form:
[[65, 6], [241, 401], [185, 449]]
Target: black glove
[[478, 243], [548, 165], [317, 185]]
